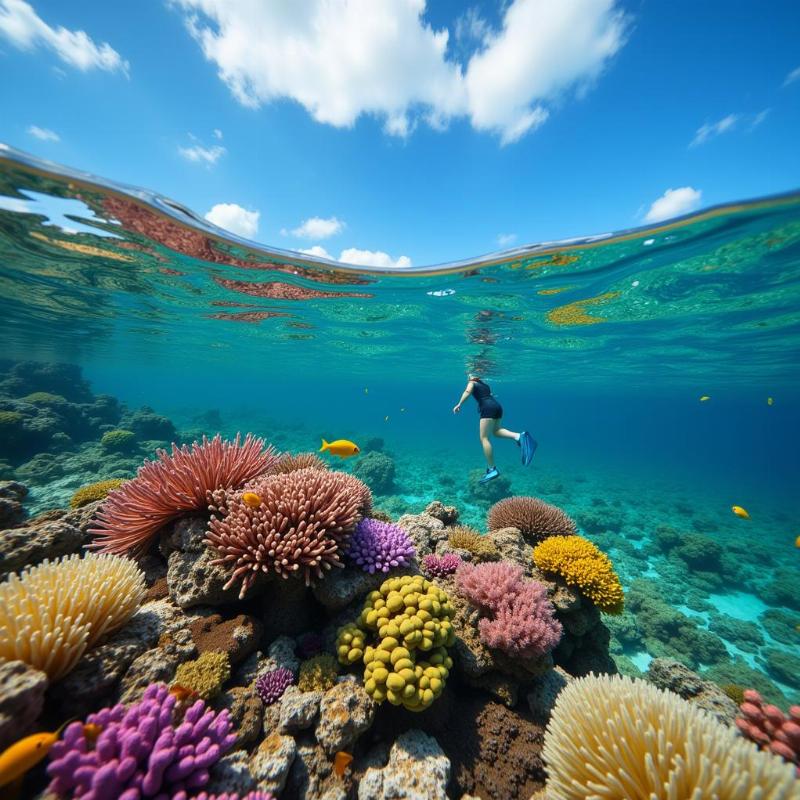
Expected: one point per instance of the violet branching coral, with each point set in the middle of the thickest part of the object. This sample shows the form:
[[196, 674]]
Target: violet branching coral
[[145, 750], [616, 737], [317, 674], [52, 613], [175, 484], [519, 619], [301, 526], [581, 564], [439, 566], [380, 546], [205, 675], [272, 684], [533, 517], [410, 664]]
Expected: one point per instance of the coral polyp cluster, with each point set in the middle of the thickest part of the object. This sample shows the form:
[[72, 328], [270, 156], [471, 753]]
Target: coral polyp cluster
[[52, 613], [770, 728], [301, 525], [378, 546], [581, 564], [533, 517], [441, 566], [272, 684], [411, 616]]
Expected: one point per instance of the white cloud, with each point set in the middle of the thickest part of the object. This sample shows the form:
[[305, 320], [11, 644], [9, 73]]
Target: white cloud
[[343, 60], [234, 218], [45, 134], [316, 228], [712, 129], [793, 76], [318, 251], [759, 118], [674, 203], [506, 239], [372, 258], [217, 134], [201, 154], [25, 29]]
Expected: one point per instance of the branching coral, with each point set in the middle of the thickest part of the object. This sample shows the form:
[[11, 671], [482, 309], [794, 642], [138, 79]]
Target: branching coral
[[615, 737], [176, 483], [536, 519], [302, 524], [317, 674], [583, 565], [520, 619], [145, 750], [770, 728], [380, 546], [463, 537], [205, 675], [94, 491], [439, 566], [290, 462], [50, 614], [272, 684]]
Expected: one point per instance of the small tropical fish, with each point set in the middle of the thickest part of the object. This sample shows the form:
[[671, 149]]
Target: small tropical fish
[[181, 693], [386, 418], [770, 401], [25, 754], [797, 542], [91, 731], [740, 512], [341, 761], [251, 499], [341, 447], [704, 398], [402, 409]]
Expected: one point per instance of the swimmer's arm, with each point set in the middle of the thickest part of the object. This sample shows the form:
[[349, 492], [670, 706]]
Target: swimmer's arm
[[466, 393]]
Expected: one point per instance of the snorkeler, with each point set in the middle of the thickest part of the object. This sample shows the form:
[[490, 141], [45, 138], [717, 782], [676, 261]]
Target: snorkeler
[[491, 414]]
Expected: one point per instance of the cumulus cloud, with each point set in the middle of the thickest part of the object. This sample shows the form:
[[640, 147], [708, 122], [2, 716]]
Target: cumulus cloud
[[674, 203], [372, 258], [26, 30], [506, 239], [344, 60], [234, 218], [45, 134], [201, 154], [316, 228], [793, 76], [713, 129], [318, 251]]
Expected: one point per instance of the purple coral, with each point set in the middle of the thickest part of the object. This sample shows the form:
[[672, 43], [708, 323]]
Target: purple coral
[[378, 546], [439, 566], [519, 620], [141, 750], [271, 685]]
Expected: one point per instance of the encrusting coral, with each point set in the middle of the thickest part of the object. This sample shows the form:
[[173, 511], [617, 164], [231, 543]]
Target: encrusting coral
[[94, 491], [302, 524], [377, 546], [411, 616], [205, 675], [465, 538], [533, 517], [174, 484], [770, 728], [52, 613], [520, 619], [272, 684], [317, 674], [581, 564], [617, 737], [290, 462], [145, 750]]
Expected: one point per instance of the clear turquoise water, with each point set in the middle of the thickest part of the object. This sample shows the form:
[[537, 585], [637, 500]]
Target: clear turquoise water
[[601, 347]]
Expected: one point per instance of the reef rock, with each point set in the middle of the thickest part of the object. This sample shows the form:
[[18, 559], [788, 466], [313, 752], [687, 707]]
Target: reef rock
[[342, 586], [447, 515], [11, 496], [346, 711], [246, 710], [21, 700], [271, 762], [417, 769], [425, 531], [232, 774], [513, 547], [546, 688], [281, 655], [299, 710], [312, 776], [238, 637]]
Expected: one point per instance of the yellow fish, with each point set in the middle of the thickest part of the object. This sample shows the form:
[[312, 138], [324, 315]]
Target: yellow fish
[[91, 731], [704, 398], [25, 754], [341, 447], [797, 542], [341, 761], [740, 512], [770, 401], [251, 499]]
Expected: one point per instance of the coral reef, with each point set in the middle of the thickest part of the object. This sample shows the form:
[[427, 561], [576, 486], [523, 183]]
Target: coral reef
[[582, 564], [119, 439], [377, 546], [176, 483], [519, 618], [770, 728], [317, 674], [536, 519], [290, 462], [438, 566], [639, 741], [377, 470], [94, 492], [205, 675], [51, 613], [483, 548], [302, 524], [272, 684]]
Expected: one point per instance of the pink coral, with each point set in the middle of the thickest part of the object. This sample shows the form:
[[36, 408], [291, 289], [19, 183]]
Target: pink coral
[[440, 566], [164, 489], [302, 524], [519, 620], [770, 728]]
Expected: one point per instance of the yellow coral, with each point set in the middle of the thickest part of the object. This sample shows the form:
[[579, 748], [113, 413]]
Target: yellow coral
[[52, 613], [94, 491], [463, 537], [317, 674], [206, 675], [583, 565]]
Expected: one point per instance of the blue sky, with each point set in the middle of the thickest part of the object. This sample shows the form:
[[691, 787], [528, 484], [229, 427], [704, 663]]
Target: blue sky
[[404, 132]]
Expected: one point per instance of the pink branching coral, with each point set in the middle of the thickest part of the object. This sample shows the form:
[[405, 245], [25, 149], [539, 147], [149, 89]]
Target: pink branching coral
[[438, 566], [520, 619], [163, 489], [302, 524], [770, 728]]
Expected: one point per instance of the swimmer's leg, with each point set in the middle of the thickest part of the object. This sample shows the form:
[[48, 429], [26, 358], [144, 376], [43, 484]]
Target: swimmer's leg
[[504, 433]]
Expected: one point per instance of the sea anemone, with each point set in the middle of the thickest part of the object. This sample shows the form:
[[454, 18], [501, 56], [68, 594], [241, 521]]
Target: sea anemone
[[612, 737], [174, 484], [533, 517], [52, 613], [290, 462], [380, 546], [462, 537], [272, 684], [304, 522]]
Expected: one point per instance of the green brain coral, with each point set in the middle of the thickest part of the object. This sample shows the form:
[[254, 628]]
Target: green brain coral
[[205, 675], [44, 399], [317, 674], [118, 439], [410, 616], [94, 491]]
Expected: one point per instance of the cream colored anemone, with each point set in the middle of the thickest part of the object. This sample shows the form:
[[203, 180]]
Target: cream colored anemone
[[615, 738], [50, 614]]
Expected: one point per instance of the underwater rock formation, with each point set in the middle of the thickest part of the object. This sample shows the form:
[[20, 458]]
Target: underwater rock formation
[[377, 470]]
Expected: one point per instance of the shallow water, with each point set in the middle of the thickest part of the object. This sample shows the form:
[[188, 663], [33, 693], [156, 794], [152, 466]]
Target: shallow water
[[601, 346]]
